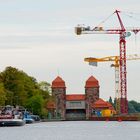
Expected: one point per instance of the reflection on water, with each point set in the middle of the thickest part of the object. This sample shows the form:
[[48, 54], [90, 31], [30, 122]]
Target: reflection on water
[[73, 130]]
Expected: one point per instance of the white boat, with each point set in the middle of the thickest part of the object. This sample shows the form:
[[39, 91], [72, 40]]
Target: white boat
[[7, 120]]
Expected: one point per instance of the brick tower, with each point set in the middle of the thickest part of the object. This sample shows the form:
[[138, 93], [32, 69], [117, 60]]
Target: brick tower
[[91, 93], [59, 92]]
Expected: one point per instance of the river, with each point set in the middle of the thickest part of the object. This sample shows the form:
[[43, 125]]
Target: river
[[73, 130]]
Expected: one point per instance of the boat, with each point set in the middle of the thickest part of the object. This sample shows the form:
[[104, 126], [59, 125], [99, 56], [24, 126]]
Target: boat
[[8, 120], [27, 117], [36, 118], [28, 120], [10, 116]]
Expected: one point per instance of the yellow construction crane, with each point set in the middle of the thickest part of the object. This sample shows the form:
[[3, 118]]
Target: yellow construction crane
[[116, 60]]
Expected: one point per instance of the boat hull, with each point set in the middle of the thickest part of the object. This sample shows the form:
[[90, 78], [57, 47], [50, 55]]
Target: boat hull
[[12, 122], [28, 120]]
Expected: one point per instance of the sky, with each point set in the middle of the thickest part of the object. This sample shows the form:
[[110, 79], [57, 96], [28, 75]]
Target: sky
[[37, 36]]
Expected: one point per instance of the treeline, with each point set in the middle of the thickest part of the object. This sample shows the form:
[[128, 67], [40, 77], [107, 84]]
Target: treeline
[[18, 88], [133, 106]]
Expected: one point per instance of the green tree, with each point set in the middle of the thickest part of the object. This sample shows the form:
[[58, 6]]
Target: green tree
[[10, 97], [19, 84], [35, 104], [136, 105], [45, 89], [2, 95], [21, 89], [45, 86], [110, 100], [131, 108]]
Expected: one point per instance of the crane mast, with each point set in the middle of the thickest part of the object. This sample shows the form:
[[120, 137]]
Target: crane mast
[[123, 79], [123, 33], [116, 59]]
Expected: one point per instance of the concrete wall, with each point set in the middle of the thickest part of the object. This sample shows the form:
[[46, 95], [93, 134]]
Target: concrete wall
[[75, 105], [75, 114]]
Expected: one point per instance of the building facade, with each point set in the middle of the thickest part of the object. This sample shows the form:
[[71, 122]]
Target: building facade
[[76, 106], [59, 92], [91, 94]]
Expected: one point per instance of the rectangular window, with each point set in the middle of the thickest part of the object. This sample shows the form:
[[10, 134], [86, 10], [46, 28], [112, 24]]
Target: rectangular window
[[75, 104]]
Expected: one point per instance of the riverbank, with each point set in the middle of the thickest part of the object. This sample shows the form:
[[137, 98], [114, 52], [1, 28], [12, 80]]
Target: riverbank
[[129, 117]]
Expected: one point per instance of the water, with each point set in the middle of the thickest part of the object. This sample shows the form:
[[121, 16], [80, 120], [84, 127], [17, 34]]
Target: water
[[73, 130]]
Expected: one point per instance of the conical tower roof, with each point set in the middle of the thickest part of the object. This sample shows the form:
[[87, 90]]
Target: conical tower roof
[[58, 82], [92, 82]]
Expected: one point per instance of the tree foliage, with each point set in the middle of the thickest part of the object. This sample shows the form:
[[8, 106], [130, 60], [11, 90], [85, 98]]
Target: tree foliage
[[45, 89], [18, 88], [131, 108], [110, 100], [135, 105], [18, 84], [2, 95], [35, 104]]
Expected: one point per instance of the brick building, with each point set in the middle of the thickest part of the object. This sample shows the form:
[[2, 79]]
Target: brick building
[[76, 106]]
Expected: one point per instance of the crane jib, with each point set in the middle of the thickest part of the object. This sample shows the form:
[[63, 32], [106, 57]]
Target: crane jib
[[123, 32]]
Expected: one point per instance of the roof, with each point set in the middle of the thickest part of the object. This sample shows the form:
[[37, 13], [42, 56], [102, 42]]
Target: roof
[[92, 82], [110, 106], [58, 82], [75, 97], [51, 105], [102, 104]]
